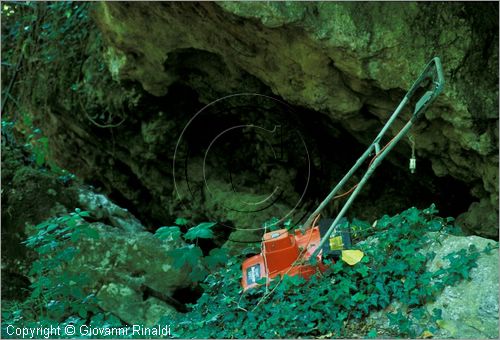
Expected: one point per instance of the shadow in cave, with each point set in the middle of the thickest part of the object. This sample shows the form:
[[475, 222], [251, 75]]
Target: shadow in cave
[[179, 299], [332, 150]]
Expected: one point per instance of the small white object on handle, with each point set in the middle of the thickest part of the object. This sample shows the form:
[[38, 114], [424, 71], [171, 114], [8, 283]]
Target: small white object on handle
[[413, 165]]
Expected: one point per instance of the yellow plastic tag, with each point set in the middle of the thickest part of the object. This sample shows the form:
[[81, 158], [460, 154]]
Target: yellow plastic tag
[[336, 243], [352, 257], [427, 334]]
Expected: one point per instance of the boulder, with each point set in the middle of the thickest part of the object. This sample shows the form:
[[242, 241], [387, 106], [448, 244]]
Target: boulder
[[134, 259], [129, 305], [102, 209], [469, 308]]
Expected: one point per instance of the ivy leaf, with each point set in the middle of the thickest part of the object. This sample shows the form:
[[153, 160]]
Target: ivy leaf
[[413, 215], [84, 214], [202, 230], [216, 257], [489, 247], [427, 334], [261, 281], [168, 233], [295, 280], [431, 210], [82, 312], [352, 256], [373, 300], [181, 221], [437, 314], [186, 255], [359, 297], [419, 313], [90, 233], [197, 274], [52, 226]]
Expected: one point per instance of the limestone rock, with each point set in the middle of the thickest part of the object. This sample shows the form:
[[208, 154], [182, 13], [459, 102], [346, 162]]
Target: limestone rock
[[342, 66], [136, 259], [469, 308], [129, 306], [101, 208]]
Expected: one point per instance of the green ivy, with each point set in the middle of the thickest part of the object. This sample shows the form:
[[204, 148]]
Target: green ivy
[[191, 255], [58, 296], [336, 302]]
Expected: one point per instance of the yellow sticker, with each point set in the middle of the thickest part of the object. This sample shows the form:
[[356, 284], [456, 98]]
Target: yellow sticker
[[427, 334], [336, 243], [352, 257]]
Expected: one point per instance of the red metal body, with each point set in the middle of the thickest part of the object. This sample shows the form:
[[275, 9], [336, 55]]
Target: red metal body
[[283, 253]]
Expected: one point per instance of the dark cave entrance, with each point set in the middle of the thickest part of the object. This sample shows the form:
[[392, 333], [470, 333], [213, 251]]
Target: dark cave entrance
[[332, 151]]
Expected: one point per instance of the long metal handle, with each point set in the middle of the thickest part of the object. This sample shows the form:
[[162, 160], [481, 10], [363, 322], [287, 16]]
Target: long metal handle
[[433, 72]]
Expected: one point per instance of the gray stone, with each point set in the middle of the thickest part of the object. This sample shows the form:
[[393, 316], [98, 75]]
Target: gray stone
[[129, 306], [469, 308], [101, 208], [121, 265]]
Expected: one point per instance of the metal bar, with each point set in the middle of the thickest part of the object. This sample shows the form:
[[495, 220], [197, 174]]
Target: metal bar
[[344, 179], [423, 103], [358, 163], [361, 183], [391, 119]]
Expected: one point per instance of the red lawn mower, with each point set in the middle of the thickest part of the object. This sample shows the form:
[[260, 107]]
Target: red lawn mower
[[284, 252]]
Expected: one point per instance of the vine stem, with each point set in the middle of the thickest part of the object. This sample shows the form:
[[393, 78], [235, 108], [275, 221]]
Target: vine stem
[[11, 83]]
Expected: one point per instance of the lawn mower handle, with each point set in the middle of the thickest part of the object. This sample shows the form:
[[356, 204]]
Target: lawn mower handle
[[433, 72]]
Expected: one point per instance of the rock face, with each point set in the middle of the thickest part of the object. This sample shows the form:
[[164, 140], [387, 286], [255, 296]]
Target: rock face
[[352, 61], [130, 270], [132, 273], [130, 306], [338, 69], [29, 196], [101, 208], [470, 308]]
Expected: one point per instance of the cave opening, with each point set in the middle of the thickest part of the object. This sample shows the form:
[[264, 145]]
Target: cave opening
[[253, 160], [332, 151]]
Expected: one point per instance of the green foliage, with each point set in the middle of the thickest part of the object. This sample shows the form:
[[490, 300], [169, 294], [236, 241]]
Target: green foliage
[[217, 257], [168, 233], [191, 256], [38, 38], [336, 301], [58, 296], [181, 221], [56, 292], [188, 255], [200, 231]]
